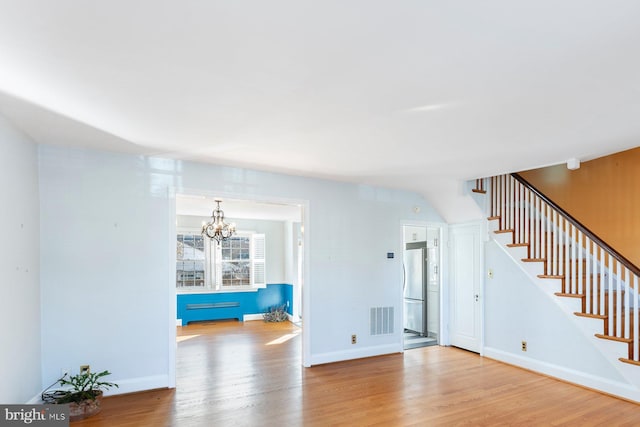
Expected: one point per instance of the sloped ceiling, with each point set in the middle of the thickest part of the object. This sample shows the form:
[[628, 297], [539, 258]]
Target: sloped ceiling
[[417, 95]]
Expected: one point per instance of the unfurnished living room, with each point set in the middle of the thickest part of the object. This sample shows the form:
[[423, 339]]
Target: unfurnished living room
[[312, 213]]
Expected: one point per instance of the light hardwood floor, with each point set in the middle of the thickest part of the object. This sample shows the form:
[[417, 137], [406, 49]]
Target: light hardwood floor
[[235, 374]]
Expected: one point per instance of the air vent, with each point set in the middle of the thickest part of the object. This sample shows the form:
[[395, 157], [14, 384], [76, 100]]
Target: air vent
[[381, 320]]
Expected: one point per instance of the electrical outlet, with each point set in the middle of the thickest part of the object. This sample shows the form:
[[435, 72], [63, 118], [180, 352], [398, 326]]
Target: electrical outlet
[[85, 369], [524, 346], [354, 339]]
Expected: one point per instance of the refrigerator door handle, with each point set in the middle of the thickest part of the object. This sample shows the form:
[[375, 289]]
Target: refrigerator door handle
[[404, 278]]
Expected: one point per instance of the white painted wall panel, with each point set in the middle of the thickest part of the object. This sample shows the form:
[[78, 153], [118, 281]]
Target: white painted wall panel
[[20, 359], [106, 253]]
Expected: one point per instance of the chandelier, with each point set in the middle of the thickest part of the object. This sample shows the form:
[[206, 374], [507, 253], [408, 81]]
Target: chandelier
[[218, 229]]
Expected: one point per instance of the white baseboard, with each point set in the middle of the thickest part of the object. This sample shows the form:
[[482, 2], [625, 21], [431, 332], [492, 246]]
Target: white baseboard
[[339, 356], [260, 316], [131, 385], [178, 322], [139, 384], [624, 390], [35, 400]]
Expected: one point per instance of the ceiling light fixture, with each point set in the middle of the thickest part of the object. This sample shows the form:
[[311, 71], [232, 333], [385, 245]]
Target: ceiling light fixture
[[218, 229]]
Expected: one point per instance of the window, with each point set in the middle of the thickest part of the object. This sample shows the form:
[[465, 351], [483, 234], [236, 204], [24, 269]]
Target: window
[[190, 268], [237, 263]]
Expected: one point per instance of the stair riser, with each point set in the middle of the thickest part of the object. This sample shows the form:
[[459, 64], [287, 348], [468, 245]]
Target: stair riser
[[572, 304], [503, 238], [518, 252]]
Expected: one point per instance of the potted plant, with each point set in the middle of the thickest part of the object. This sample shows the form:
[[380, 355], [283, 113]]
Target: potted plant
[[83, 393]]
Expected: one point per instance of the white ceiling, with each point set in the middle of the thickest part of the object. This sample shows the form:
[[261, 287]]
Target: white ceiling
[[417, 95]]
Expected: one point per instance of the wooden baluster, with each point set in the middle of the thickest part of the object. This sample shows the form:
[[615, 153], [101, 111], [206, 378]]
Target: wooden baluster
[[493, 196], [509, 196], [603, 278], [571, 260], [625, 310], [503, 202], [636, 319], [554, 223], [505, 220], [513, 204], [618, 298], [580, 263], [527, 219], [547, 239], [538, 238], [610, 307], [523, 218], [523, 210], [574, 259], [567, 255], [514, 209], [588, 279]]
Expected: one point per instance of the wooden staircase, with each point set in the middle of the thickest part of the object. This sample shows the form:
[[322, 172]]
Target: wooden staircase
[[604, 282]]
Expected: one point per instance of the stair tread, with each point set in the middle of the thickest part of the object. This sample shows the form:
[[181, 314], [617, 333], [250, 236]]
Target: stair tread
[[510, 230], [633, 362], [609, 337], [516, 245], [534, 260], [475, 190], [550, 276], [562, 294], [492, 218], [591, 315]]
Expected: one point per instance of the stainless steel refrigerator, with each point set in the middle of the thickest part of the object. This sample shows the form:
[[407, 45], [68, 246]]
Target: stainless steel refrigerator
[[415, 287]]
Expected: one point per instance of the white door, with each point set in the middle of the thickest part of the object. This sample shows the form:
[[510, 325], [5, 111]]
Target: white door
[[465, 284]]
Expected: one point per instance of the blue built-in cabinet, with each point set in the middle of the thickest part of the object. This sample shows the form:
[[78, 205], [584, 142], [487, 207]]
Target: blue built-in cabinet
[[193, 307]]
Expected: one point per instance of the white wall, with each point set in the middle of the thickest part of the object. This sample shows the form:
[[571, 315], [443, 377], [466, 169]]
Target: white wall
[[20, 361], [515, 311], [108, 258], [274, 231]]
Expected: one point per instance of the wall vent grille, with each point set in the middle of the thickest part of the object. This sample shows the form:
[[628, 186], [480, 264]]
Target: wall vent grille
[[381, 321]]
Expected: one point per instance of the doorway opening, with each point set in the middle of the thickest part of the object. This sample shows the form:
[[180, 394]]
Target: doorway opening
[[421, 285], [259, 269]]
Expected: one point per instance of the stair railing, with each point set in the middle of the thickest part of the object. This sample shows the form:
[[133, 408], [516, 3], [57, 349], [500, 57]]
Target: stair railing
[[589, 269]]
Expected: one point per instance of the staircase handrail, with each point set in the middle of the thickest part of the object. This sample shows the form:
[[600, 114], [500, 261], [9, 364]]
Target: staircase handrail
[[621, 258]]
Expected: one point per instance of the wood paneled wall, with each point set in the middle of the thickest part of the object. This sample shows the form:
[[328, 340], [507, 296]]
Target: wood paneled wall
[[603, 194]]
